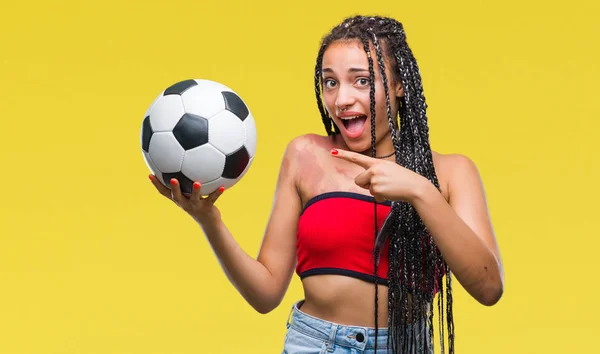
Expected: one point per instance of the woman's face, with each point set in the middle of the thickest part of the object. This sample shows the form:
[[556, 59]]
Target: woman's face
[[346, 92]]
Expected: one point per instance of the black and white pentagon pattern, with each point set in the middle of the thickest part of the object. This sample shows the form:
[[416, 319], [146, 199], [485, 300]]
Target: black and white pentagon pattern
[[204, 99], [152, 167], [236, 163], [234, 104], [166, 113], [191, 131], [239, 144], [146, 133], [250, 132], [204, 163], [185, 184], [180, 87], [166, 152], [199, 130], [226, 132]]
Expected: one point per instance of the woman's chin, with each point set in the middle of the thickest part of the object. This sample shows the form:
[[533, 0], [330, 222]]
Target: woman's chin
[[358, 145]]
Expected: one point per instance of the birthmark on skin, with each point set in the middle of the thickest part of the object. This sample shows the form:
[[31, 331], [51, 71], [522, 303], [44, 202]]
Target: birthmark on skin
[[485, 267], [348, 170], [312, 174]]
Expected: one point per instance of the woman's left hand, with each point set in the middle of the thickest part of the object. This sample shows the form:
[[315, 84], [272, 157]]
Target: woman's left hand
[[385, 180]]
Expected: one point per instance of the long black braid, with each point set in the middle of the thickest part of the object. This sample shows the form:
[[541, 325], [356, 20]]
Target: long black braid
[[416, 266]]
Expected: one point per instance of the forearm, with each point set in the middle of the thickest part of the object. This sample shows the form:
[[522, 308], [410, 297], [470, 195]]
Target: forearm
[[471, 261], [250, 277]]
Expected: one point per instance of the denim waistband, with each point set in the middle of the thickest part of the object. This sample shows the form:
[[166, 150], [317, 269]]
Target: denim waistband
[[358, 337]]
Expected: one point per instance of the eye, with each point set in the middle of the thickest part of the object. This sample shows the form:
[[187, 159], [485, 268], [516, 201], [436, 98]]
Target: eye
[[328, 83], [363, 81]]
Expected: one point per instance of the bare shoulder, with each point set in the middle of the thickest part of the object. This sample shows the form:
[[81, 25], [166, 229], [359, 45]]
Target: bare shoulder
[[453, 167], [304, 148], [310, 141], [461, 176], [278, 248], [467, 196], [453, 163]]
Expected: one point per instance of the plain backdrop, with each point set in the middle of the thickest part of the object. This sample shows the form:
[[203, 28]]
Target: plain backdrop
[[94, 261]]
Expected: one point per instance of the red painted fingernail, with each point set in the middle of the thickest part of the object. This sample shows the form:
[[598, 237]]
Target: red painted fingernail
[[196, 185], [334, 152], [150, 176], [173, 181], [221, 189]]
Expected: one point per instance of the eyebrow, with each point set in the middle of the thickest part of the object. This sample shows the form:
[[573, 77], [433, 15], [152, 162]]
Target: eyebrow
[[352, 70]]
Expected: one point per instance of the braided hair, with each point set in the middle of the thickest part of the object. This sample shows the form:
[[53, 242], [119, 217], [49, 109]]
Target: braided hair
[[416, 266]]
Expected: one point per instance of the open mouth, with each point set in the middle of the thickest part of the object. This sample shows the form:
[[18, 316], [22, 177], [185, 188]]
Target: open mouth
[[354, 124]]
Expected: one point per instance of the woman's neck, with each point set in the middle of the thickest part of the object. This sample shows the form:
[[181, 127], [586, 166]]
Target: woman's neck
[[384, 149]]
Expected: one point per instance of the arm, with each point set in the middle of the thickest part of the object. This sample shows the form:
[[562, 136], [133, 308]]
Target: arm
[[463, 231], [460, 227], [263, 281]]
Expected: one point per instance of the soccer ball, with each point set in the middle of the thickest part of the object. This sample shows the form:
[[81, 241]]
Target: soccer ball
[[198, 130]]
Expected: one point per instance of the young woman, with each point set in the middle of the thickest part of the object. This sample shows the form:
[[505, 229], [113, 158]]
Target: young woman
[[367, 215]]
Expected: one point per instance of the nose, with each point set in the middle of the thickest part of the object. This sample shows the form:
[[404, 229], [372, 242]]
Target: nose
[[344, 98]]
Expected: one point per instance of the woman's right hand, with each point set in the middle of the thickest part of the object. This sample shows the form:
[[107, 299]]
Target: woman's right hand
[[202, 209]]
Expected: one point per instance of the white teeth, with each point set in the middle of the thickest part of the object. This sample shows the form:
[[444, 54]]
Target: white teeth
[[350, 117]]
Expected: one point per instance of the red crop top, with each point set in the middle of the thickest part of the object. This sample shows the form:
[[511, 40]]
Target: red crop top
[[336, 235]]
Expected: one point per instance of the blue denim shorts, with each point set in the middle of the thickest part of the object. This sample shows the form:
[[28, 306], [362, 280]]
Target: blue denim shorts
[[310, 335]]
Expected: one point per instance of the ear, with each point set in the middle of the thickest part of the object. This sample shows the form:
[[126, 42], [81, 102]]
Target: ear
[[399, 90]]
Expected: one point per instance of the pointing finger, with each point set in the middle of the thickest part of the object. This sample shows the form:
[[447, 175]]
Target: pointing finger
[[363, 180], [359, 159]]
